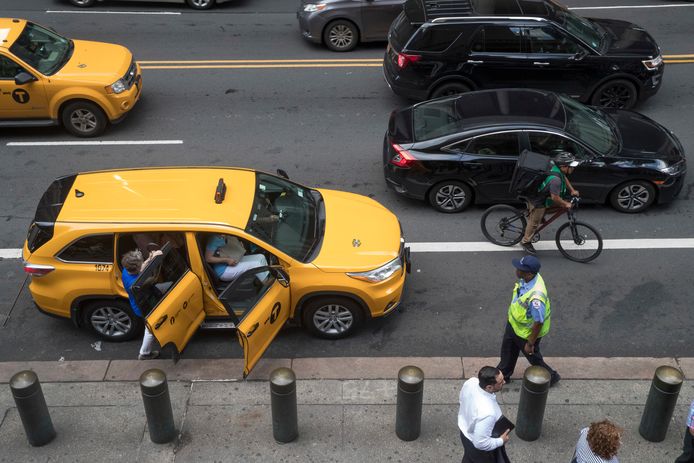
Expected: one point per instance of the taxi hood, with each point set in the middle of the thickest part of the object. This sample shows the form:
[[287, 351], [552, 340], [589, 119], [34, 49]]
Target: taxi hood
[[96, 62], [360, 234]]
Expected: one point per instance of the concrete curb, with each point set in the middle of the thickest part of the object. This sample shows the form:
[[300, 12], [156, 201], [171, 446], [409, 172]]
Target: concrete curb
[[339, 368]]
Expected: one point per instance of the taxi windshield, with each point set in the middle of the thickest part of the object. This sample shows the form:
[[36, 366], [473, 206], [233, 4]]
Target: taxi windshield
[[286, 216], [42, 49]]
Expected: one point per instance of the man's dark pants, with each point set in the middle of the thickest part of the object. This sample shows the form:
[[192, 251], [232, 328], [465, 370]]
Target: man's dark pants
[[474, 455], [511, 346], [687, 449]]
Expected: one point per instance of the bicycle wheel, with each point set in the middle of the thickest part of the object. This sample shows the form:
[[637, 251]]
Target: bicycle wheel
[[580, 244], [503, 225]]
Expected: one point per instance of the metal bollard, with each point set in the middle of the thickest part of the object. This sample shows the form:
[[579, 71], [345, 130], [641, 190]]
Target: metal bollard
[[531, 406], [285, 426], [408, 411], [155, 396], [32, 408], [665, 388]]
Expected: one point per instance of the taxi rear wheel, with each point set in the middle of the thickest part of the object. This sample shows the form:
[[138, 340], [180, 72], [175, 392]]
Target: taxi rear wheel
[[112, 320], [332, 317], [84, 119]]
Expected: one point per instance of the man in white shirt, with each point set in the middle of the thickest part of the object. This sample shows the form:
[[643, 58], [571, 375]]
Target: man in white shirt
[[478, 413]]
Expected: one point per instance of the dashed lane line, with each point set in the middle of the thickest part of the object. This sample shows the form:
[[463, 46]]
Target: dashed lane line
[[483, 246]]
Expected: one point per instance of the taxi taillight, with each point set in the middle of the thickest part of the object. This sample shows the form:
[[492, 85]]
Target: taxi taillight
[[37, 270]]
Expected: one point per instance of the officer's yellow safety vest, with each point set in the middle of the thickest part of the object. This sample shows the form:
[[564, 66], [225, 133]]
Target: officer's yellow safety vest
[[518, 316]]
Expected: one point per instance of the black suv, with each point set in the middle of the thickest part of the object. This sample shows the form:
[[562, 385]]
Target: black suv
[[602, 62]]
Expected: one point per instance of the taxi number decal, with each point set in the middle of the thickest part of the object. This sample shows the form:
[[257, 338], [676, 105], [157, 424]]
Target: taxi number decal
[[20, 96], [102, 267]]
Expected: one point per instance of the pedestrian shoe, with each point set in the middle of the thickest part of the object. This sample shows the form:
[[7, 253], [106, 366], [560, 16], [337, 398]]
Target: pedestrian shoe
[[152, 355], [555, 379], [529, 248]]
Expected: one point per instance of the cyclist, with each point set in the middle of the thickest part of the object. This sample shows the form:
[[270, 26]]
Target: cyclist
[[551, 193]]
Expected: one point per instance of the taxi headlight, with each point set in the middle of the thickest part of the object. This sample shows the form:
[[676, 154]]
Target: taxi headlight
[[652, 64], [116, 87], [380, 274], [311, 7]]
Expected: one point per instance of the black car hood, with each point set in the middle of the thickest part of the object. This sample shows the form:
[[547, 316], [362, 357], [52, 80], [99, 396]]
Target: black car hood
[[643, 137], [626, 38]]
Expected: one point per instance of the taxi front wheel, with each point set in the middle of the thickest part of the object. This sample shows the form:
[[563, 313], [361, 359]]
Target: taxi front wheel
[[112, 320], [332, 318], [84, 119]]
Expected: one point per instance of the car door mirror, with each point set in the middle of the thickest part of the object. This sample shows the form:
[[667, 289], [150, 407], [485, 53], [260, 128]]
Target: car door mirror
[[24, 78], [282, 173], [281, 275], [579, 55]]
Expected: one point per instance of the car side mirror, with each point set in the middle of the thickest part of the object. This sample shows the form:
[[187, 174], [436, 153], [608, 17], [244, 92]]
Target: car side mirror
[[579, 55], [282, 173], [24, 78]]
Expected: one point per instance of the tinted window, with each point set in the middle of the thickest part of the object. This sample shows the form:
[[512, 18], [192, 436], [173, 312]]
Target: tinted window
[[401, 30], [247, 290], [497, 39], [549, 40], [158, 278], [497, 144], [8, 68], [496, 7], [551, 144], [434, 38], [95, 248], [533, 7]]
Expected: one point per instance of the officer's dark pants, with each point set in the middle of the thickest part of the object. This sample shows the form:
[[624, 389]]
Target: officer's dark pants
[[474, 455], [687, 448], [511, 346]]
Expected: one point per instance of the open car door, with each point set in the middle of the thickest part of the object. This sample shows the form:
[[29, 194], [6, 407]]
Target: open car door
[[259, 300], [170, 295]]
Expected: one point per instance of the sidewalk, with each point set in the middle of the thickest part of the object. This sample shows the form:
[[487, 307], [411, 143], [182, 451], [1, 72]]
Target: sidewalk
[[346, 410]]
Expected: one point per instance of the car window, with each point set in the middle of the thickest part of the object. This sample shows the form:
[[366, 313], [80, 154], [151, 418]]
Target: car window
[[42, 49], [497, 144], [497, 39], [158, 278], [8, 68], [245, 292], [147, 242], [434, 38], [549, 40], [91, 249], [551, 144], [496, 7]]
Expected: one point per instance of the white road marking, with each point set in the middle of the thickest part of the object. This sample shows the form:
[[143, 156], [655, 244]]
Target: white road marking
[[110, 12], [623, 7], [483, 246], [95, 142]]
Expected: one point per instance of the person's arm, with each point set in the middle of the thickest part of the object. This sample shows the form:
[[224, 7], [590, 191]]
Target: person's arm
[[482, 435], [572, 190], [537, 311], [555, 193], [212, 259], [691, 431], [529, 347]]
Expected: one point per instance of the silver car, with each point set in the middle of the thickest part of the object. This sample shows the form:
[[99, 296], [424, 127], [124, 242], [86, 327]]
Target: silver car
[[341, 24], [195, 4]]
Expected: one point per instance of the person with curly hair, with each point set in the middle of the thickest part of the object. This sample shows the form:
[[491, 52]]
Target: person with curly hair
[[688, 445], [598, 443]]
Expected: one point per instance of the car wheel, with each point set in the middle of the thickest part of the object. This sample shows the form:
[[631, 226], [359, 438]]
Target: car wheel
[[341, 35], [450, 196], [632, 197], [200, 4], [617, 94], [450, 89], [83, 3], [84, 119], [112, 320], [332, 318]]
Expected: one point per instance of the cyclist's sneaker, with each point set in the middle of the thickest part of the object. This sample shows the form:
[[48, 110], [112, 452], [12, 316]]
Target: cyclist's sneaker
[[529, 248]]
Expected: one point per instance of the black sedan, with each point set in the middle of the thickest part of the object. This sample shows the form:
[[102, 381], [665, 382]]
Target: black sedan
[[457, 150]]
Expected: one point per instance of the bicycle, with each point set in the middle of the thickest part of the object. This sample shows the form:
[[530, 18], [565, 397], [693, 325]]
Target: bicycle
[[577, 241]]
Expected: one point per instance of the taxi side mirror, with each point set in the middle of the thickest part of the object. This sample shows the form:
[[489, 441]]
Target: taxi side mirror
[[24, 78]]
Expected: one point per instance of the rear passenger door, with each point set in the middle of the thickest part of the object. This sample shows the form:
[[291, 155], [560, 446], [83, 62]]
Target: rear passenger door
[[495, 58]]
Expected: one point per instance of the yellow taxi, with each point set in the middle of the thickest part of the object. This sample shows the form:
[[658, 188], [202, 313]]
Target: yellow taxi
[[47, 79], [325, 259]]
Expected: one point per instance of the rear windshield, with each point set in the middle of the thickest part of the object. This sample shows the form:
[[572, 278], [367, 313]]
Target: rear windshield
[[50, 204], [400, 31], [436, 119]]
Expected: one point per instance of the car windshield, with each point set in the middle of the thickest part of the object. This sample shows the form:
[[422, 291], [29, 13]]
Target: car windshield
[[590, 126], [285, 215], [582, 28], [42, 49]]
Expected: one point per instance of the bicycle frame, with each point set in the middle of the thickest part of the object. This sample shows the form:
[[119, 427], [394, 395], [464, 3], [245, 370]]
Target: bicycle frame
[[554, 217]]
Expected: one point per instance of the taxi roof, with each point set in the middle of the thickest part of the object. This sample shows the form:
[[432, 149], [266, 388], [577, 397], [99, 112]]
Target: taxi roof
[[160, 195], [10, 29]]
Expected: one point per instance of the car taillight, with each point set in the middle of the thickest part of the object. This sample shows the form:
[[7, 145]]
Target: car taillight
[[36, 270], [404, 59], [402, 157]]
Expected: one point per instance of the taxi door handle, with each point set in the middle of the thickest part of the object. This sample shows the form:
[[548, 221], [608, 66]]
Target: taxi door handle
[[160, 322]]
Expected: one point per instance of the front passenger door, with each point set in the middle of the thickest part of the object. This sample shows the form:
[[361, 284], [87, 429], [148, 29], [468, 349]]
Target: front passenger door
[[258, 300]]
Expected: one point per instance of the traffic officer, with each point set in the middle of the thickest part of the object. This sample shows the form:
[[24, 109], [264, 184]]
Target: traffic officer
[[528, 319]]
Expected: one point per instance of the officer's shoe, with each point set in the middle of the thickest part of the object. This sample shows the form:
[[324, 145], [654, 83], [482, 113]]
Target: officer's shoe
[[152, 355], [554, 380], [529, 248]]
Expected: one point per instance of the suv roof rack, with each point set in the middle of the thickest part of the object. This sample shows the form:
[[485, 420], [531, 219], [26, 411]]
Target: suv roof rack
[[477, 18], [420, 11]]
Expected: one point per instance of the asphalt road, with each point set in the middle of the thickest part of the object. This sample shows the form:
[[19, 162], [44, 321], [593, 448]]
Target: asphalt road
[[324, 126]]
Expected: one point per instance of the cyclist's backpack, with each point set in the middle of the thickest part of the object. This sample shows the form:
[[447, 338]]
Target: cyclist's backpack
[[530, 172]]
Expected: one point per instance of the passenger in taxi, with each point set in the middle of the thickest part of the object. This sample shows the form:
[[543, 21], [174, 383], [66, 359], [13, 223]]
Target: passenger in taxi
[[228, 258]]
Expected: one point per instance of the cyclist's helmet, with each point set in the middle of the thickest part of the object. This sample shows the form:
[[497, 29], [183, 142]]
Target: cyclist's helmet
[[565, 159]]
